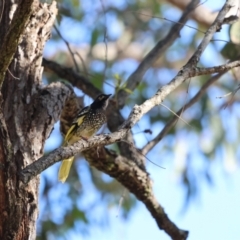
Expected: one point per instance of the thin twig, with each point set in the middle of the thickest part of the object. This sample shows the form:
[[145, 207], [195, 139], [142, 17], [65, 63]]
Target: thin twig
[[140, 152], [149, 146], [105, 38], [205, 19], [83, 64], [231, 93], [178, 114], [169, 20], [136, 77], [73, 77], [69, 48], [185, 100]]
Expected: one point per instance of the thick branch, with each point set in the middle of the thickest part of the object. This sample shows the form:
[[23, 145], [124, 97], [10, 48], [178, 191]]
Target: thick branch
[[136, 77], [138, 182], [57, 155], [125, 171]]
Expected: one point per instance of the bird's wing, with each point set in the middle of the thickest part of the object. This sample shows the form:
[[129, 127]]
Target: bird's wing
[[76, 123]]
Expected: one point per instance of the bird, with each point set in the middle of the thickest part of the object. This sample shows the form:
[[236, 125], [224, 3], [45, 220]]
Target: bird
[[87, 122]]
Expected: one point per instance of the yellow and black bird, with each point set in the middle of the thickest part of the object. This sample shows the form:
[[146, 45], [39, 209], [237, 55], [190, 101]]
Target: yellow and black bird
[[87, 122]]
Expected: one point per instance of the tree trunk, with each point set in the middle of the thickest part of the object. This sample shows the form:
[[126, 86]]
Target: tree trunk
[[27, 114]]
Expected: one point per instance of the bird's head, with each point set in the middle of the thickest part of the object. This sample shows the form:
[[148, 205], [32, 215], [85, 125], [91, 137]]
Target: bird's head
[[101, 101]]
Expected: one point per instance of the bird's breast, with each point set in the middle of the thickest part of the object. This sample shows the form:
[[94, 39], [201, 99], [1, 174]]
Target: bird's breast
[[91, 124]]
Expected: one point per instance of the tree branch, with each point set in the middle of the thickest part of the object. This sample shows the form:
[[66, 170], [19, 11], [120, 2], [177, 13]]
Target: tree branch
[[150, 145], [222, 69], [114, 122], [57, 155], [73, 77], [187, 71], [69, 49], [125, 171], [201, 14], [216, 69], [136, 77], [138, 182]]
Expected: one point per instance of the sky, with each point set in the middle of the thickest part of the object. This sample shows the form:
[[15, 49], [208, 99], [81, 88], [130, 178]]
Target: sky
[[213, 214]]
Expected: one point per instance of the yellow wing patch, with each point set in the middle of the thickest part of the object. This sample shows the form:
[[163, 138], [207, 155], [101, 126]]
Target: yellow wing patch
[[80, 120], [73, 128]]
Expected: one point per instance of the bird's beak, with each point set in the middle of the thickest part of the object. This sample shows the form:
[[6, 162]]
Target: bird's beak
[[109, 95]]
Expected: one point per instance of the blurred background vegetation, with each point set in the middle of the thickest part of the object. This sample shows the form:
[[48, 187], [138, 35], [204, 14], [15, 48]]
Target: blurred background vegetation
[[108, 39]]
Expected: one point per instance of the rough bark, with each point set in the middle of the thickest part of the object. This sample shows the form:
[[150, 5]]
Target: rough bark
[[15, 16], [27, 112]]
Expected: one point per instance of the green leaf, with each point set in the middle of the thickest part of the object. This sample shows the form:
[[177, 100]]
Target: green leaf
[[95, 35]]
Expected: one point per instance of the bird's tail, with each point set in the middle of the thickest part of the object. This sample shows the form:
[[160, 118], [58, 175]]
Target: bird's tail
[[65, 169]]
